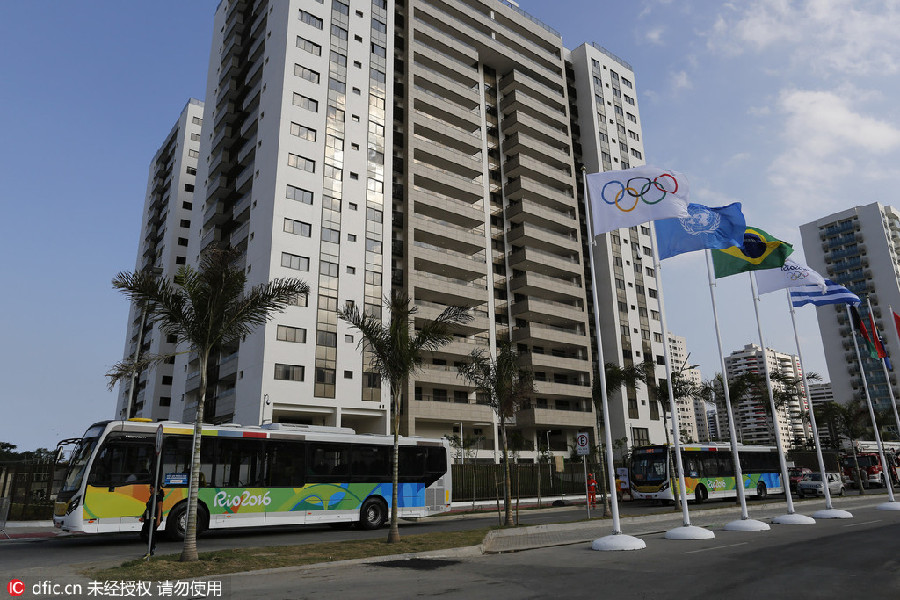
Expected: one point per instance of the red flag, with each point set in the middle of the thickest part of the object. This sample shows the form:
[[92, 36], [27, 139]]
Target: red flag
[[861, 328], [879, 347], [896, 322]]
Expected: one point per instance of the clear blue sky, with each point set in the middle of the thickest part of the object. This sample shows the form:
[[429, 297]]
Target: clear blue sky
[[786, 108]]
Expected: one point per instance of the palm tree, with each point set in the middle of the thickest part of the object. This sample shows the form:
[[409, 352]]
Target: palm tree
[[615, 377], [206, 308], [507, 386], [396, 353], [847, 421]]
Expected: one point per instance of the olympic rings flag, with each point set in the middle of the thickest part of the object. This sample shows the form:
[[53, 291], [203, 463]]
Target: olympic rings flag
[[791, 275], [632, 196]]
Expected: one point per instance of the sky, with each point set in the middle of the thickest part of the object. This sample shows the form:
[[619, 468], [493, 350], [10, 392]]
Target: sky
[[786, 106]]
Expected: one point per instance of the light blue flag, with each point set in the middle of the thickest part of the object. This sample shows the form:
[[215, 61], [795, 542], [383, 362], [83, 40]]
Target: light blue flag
[[706, 227], [813, 294]]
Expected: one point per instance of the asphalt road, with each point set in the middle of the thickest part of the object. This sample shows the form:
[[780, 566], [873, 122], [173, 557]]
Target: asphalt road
[[845, 559]]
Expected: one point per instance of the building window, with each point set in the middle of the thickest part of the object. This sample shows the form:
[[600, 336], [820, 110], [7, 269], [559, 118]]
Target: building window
[[185, 223], [289, 372], [310, 19], [636, 153], [338, 32], [340, 7], [197, 121], [377, 75], [291, 334], [640, 436], [351, 237], [629, 99], [620, 284], [652, 293], [292, 261], [193, 154], [179, 260], [304, 102], [379, 26], [657, 337], [299, 194], [311, 47], [351, 270], [331, 235], [631, 117], [338, 58], [301, 131], [379, 50], [297, 227], [165, 401], [182, 241], [348, 374], [306, 73], [301, 162], [338, 86], [650, 272]]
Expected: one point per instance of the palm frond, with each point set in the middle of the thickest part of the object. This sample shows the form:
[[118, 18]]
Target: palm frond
[[129, 367]]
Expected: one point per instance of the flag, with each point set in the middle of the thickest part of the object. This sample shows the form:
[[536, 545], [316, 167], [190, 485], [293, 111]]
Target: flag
[[633, 196], [860, 326], [813, 294], [896, 322], [791, 274], [879, 345], [706, 227], [759, 251]]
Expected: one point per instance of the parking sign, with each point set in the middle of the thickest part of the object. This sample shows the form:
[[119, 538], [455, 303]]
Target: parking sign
[[582, 444]]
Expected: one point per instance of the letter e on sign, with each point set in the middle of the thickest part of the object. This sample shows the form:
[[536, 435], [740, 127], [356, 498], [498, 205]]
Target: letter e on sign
[[582, 444]]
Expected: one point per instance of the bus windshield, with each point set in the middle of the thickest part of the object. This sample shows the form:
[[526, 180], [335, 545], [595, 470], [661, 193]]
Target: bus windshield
[[648, 467], [80, 458]]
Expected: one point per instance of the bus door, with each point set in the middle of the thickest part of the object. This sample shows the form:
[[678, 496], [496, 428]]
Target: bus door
[[117, 488]]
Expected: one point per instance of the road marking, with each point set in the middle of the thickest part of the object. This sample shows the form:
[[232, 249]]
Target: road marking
[[865, 523], [717, 548]]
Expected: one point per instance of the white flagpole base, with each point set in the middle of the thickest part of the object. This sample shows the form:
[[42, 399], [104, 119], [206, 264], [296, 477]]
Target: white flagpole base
[[889, 506], [618, 542], [794, 519], [832, 513], [689, 532], [746, 525]]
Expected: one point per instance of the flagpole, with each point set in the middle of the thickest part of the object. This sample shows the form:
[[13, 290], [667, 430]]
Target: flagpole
[[893, 402], [791, 518], [618, 540], [745, 523], [830, 512], [891, 504], [686, 531], [887, 375]]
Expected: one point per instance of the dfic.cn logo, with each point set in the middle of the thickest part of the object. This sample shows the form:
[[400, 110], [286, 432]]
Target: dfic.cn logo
[[16, 587]]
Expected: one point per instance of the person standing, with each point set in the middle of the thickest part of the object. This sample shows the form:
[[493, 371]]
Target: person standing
[[592, 490], [157, 497]]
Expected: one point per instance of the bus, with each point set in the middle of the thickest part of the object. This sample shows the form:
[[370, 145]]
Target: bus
[[708, 471], [273, 474]]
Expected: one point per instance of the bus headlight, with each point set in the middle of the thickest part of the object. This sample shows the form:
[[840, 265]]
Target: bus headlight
[[73, 504]]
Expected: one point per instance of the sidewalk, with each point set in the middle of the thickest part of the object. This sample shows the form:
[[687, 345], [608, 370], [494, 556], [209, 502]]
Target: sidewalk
[[26, 530]]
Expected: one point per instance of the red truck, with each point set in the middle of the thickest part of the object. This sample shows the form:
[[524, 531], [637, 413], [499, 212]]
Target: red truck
[[869, 466]]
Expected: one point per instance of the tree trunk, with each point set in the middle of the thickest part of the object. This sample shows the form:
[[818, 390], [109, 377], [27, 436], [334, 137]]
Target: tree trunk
[[507, 499], [394, 533], [189, 549]]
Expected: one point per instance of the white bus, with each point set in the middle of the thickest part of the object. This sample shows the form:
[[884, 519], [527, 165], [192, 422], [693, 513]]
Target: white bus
[[272, 474]]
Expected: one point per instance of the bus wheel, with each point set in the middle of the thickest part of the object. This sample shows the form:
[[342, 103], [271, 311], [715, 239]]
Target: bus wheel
[[373, 514], [761, 491], [700, 494], [176, 522]]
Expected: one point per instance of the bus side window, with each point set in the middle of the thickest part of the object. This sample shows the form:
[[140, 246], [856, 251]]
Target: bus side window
[[692, 465], [412, 464], [100, 468], [711, 465], [371, 463], [285, 464], [237, 463], [328, 462]]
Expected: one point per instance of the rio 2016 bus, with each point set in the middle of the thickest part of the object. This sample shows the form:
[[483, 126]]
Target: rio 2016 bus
[[276, 474], [708, 471]]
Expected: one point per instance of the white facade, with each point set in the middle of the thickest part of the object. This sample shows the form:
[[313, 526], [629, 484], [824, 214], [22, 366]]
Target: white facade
[[687, 419], [166, 224], [752, 420], [858, 248]]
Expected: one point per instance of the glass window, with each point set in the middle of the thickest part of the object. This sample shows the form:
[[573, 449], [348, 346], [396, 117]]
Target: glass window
[[310, 19]]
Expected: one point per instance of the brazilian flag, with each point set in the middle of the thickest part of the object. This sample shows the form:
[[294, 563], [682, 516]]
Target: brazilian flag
[[760, 251]]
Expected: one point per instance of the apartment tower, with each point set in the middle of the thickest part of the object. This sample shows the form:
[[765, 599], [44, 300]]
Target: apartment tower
[[433, 147], [859, 249], [165, 228]]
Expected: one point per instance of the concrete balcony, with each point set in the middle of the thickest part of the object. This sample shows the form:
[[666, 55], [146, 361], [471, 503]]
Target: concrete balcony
[[466, 116], [535, 284], [519, 81], [521, 122], [444, 86], [521, 101], [519, 143], [541, 362], [449, 264], [448, 235], [527, 234], [457, 292], [550, 337], [238, 238], [552, 197], [544, 417], [566, 391], [215, 214], [446, 183], [539, 214], [549, 312], [447, 209], [546, 263], [521, 164], [445, 158], [428, 34], [443, 132]]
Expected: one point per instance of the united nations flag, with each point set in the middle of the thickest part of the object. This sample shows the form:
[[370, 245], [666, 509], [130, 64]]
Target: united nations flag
[[759, 251], [706, 227]]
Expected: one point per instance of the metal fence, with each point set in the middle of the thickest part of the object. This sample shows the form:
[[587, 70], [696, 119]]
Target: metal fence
[[30, 488], [486, 481]]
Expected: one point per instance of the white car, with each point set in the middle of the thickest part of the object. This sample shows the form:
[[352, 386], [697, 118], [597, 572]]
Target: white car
[[811, 485]]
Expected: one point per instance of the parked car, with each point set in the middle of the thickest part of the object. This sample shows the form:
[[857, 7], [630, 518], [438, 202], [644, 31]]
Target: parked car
[[795, 474], [811, 485]]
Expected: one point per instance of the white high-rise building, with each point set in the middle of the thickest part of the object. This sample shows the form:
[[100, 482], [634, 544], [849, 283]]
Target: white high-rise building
[[687, 419], [858, 248], [752, 420], [163, 248], [430, 147]]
